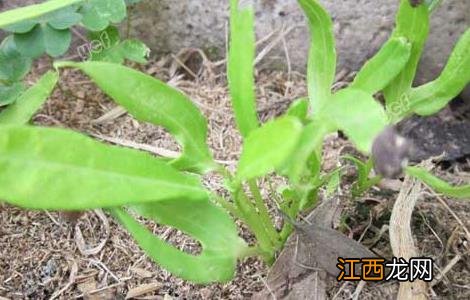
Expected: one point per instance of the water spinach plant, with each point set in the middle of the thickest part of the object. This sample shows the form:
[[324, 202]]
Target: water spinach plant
[[58, 169]]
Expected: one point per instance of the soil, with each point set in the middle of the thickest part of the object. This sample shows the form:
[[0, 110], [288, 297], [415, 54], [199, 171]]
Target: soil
[[43, 257]]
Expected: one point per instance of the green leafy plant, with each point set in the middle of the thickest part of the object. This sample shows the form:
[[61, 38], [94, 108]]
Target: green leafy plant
[[57, 169], [46, 29]]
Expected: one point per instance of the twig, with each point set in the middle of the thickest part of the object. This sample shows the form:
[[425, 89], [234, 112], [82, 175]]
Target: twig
[[444, 203], [152, 149], [401, 237], [72, 276], [446, 269], [80, 242], [359, 288], [273, 44]]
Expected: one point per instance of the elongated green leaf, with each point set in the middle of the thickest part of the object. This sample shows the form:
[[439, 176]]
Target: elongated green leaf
[[357, 114], [433, 96], [27, 104], [439, 185], [377, 73], [48, 168], [240, 65], [33, 11], [151, 100], [412, 23], [322, 55], [268, 147], [363, 170], [201, 220], [309, 144]]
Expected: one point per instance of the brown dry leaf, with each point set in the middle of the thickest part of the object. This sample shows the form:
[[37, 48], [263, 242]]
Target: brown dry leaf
[[143, 289]]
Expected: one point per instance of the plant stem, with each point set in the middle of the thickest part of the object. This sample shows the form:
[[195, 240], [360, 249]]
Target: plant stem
[[251, 219], [232, 209], [250, 251], [263, 212]]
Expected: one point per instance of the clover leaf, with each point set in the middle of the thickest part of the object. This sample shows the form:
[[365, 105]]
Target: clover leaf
[[10, 92], [107, 46], [13, 66], [49, 33], [98, 14]]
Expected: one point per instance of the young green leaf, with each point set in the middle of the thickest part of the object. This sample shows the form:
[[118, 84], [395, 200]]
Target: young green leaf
[[22, 110], [359, 115], [98, 14], [299, 109], [386, 64], [412, 23], [201, 220], [50, 168], [268, 147], [333, 182], [33, 11], [240, 65], [363, 170], [440, 186], [309, 144], [322, 55], [433, 96], [151, 100], [10, 92]]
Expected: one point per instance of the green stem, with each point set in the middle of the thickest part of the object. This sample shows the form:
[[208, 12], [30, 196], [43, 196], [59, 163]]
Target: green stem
[[263, 212], [232, 209], [250, 252], [251, 219], [286, 231]]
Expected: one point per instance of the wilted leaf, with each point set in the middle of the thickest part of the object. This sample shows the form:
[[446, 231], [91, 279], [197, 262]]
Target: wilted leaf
[[151, 100], [49, 168]]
